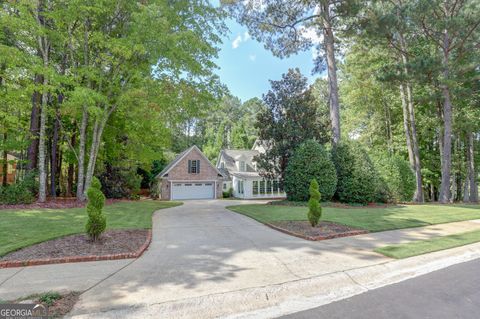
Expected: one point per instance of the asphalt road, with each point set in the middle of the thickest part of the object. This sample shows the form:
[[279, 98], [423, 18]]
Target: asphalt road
[[452, 292]]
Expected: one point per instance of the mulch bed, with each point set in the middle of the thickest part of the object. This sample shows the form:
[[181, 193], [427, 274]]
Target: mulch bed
[[57, 203], [64, 305], [113, 244], [324, 230], [331, 204]]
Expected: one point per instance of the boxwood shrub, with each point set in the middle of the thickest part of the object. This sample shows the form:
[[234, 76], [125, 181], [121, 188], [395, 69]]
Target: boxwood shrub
[[310, 161]]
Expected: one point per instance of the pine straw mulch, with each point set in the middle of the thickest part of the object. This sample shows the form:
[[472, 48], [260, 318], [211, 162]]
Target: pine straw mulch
[[56, 203], [117, 241], [324, 230]]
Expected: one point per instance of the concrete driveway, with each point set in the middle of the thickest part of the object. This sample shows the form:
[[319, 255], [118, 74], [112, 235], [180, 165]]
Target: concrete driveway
[[202, 248], [203, 251]]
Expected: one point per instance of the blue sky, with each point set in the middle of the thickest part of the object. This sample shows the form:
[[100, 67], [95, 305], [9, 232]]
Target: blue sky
[[246, 66]]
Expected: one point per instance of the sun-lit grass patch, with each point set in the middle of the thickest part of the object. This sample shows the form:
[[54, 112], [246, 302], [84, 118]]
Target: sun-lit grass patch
[[21, 227], [420, 247]]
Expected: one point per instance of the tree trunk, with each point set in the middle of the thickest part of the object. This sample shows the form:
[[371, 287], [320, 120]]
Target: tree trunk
[[471, 177], [418, 197], [5, 161], [81, 155], [42, 169], [71, 171], [329, 41], [54, 152], [447, 130], [32, 152], [96, 139], [406, 126]]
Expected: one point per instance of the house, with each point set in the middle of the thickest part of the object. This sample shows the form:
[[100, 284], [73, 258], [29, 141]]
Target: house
[[190, 176], [11, 169], [240, 169]]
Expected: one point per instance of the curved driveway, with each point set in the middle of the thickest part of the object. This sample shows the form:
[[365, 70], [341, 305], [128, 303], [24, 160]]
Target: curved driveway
[[201, 248]]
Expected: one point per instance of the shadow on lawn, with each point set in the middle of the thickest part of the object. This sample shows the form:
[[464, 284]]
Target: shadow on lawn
[[200, 249]]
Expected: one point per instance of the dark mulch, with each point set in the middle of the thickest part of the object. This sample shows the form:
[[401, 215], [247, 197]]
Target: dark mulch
[[111, 242], [55, 203], [324, 230]]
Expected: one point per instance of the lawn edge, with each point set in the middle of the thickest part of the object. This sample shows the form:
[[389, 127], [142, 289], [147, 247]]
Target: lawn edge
[[311, 238], [75, 259], [379, 250]]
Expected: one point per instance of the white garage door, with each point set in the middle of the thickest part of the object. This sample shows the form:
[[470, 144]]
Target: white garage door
[[192, 190]]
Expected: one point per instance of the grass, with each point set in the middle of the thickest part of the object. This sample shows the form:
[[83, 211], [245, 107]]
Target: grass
[[371, 219], [24, 227], [420, 247]]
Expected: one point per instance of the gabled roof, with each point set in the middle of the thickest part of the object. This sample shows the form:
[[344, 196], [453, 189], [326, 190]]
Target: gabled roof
[[230, 156], [180, 156]]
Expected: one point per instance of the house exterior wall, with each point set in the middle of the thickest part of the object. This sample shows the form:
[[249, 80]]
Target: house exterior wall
[[180, 173], [12, 167]]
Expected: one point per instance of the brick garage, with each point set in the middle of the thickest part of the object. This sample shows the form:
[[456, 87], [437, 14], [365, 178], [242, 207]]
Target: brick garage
[[190, 176]]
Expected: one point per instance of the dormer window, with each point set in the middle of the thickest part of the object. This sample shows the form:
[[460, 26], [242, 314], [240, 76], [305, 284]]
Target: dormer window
[[241, 166], [222, 165], [193, 166]]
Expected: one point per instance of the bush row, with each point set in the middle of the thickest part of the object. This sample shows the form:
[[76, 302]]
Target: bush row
[[348, 174]]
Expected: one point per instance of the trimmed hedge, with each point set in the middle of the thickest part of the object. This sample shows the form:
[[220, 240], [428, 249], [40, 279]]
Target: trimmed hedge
[[397, 175], [310, 161], [358, 180]]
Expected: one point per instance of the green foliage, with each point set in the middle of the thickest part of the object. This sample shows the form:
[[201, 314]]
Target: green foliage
[[21, 192], [398, 177], [97, 222], [120, 182], [228, 193], [288, 120], [310, 161], [49, 298], [357, 177], [314, 208]]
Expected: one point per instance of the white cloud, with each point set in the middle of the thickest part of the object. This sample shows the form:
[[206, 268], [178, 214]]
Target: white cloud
[[239, 39], [236, 42], [252, 57]]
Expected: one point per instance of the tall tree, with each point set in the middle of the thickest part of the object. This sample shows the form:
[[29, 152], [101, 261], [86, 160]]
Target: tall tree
[[288, 120], [287, 27], [450, 25]]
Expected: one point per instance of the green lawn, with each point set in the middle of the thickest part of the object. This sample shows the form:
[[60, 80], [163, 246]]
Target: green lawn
[[430, 245], [24, 227], [372, 219]]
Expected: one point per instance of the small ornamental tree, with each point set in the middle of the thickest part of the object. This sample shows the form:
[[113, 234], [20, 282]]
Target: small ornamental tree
[[97, 222], [314, 208]]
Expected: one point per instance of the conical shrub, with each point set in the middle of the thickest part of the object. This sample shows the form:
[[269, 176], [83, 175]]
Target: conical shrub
[[314, 208], [97, 222]]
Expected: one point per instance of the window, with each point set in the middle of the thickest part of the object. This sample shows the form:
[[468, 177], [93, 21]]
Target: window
[[280, 187], [275, 186], [241, 166], [198, 184], [262, 187], [240, 187], [194, 166], [255, 187], [269, 187], [222, 165], [188, 184], [224, 185]]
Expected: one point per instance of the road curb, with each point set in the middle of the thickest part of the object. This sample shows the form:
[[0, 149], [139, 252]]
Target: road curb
[[289, 297]]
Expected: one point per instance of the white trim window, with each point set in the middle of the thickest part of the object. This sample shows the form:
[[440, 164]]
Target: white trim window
[[240, 187], [242, 166], [194, 166]]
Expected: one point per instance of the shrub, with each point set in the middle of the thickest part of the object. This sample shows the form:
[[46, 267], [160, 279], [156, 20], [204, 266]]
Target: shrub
[[49, 298], [358, 180], [310, 161], [22, 192], [97, 222], [398, 177], [120, 182], [228, 194], [314, 209]]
